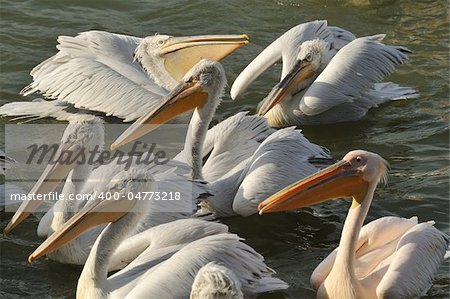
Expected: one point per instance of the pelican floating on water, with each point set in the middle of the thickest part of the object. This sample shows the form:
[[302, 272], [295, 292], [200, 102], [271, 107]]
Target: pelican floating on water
[[390, 257], [83, 135], [120, 75], [165, 273], [249, 161], [328, 75]]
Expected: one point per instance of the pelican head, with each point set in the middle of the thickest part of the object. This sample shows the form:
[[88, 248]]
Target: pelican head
[[351, 177], [167, 59], [313, 56], [214, 281], [100, 210], [83, 133], [201, 88]]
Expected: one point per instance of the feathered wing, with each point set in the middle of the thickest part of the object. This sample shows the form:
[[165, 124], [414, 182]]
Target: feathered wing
[[376, 242], [351, 74], [174, 276], [36, 109], [418, 256], [228, 146], [286, 47], [232, 141], [95, 70], [163, 236], [282, 159]]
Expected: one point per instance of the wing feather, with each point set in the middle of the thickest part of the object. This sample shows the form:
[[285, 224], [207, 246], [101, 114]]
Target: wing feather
[[351, 73], [175, 276], [233, 141], [95, 70], [419, 254], [282, 159], [373, 236]]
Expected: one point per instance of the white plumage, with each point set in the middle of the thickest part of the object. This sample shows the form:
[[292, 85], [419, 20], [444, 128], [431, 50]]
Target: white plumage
[[214, 281], [390, 257], [241, 169], [117, 74], [328, 76], [83, 135], [165, 272]]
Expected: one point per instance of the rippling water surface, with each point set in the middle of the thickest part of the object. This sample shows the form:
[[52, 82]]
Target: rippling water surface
[[412, 135]]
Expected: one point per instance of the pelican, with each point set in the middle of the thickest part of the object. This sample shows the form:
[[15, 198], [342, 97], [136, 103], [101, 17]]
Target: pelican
[[249, 170], [328, 76], [83, 135], [120, 75], [390, 257], [165, 273]]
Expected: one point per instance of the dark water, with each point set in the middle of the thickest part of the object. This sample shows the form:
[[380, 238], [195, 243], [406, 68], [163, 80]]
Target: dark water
[[412, 135]]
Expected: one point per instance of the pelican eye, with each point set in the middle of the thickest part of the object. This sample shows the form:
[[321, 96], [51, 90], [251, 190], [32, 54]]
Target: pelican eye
[[358, 159], [308, 58], [161, 42]]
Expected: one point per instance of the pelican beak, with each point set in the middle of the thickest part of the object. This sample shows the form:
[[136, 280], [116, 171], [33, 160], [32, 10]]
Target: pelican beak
[[301, 71], [95, 212], [180, 54], [337, 180], [186, 96], [64, 160]]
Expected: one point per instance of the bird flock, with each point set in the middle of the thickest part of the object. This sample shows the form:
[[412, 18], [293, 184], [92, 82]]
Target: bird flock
[[243, 165]]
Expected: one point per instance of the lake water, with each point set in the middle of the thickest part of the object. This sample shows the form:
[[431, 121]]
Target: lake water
[[412, 135]]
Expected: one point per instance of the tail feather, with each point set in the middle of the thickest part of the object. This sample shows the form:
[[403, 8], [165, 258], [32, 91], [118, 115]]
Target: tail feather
[[388, 91], [269, 284], [36, 109]]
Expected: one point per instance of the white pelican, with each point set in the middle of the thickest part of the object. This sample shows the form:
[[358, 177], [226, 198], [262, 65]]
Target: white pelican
[[84, 134], [390, 257], [240, 170], [165, 273], [215, 281], [121, 75], [328, 76]]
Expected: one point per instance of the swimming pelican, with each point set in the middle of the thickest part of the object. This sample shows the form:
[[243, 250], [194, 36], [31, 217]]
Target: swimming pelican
[[390, 257], [253, 170], [328, 76], [84, 135], [121, 75], [165, 273]]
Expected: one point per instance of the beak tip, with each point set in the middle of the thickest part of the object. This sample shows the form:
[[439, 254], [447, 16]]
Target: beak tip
[[261, 208], [113, 146], [30, 259], [7, 230]]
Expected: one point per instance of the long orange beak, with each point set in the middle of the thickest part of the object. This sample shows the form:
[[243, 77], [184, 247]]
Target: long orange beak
[[180, 54], [53, 174], [93, 214], [337, 180], [301, 71], [186, 96]]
